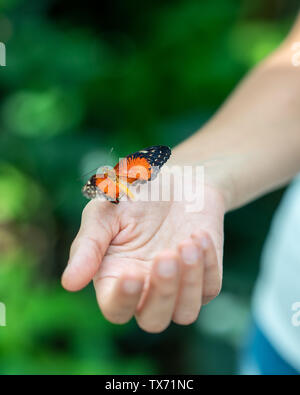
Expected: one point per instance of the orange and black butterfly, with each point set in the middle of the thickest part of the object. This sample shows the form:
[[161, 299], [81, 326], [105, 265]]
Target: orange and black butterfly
[[140, 167]]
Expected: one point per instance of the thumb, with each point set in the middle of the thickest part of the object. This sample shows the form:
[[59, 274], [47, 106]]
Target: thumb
[[99, 225]]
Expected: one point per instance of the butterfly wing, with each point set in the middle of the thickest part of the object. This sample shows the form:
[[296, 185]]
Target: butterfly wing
[[144, 165], [101, 186], [140, 167]]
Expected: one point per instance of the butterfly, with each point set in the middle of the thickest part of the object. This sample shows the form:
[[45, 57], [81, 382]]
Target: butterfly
[[137, 168]]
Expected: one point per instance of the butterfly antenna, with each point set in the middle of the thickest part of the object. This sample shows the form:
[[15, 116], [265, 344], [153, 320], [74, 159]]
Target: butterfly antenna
[[88, 173], [92, 171], [111, 153]]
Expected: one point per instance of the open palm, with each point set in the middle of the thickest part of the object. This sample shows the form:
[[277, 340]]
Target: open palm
[[151, 260]]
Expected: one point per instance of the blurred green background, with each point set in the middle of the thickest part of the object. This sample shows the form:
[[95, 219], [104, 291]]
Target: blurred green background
[[79, 81]]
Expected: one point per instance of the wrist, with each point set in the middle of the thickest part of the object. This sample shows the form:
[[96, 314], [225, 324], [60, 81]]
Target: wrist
[[215, 174], [218, 174]]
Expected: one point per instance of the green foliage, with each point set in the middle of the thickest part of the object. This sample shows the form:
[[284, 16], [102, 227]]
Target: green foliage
[[19, 196], [51, 332], [36, 114], [76, 84]]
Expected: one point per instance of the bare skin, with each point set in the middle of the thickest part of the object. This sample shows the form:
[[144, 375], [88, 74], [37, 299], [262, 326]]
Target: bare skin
[[158, 263], [124, 250]]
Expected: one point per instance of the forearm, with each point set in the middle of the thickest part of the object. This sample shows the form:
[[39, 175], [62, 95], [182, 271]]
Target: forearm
[[252, 145]]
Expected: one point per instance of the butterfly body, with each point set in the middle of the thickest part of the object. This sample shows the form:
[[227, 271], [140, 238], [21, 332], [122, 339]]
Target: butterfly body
[[140, 167]]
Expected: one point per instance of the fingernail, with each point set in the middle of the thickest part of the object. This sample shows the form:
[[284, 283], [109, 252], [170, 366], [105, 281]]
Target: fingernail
[[205, 242], [132, 286], [190, 254], [167, 269]]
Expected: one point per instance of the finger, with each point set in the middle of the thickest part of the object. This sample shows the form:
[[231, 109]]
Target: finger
[[156, 311], [98, 227], [190, 294], [118, 297], [212, 271]]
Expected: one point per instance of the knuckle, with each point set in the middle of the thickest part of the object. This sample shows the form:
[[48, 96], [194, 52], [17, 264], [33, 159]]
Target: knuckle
[[166, 294], [198, 234], [191, 282], [190, 270], [204, 233], [94, 247], [90, 240]]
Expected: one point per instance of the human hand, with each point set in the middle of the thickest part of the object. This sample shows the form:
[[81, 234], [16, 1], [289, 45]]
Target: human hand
[[151, 260]]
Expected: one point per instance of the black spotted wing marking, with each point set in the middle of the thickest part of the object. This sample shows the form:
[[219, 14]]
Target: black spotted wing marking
[[156, 156], [151, 159]]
